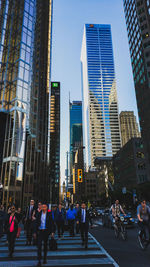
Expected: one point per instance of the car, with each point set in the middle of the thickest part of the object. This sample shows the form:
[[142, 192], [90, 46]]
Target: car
[[108, 220], [129, 220], [99, 211]]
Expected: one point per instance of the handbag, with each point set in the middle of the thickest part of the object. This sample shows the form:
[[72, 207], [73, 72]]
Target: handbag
[[18, 232], [52, 244]]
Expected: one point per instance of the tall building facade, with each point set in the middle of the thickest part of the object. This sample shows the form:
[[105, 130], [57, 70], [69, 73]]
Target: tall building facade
[[25, 55], [130, 165], [75, 112], [101, 130], [128, 126], [137, 15], [54, 170]]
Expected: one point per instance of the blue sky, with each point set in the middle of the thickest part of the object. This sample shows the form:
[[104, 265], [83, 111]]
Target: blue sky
[[69, 17]]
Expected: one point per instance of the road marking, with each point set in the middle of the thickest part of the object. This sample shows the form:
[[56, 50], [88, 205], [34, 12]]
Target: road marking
[[104, 251]]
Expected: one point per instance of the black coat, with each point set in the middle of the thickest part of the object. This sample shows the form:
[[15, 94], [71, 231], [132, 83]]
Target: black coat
[[27, 212], [87, 217], [49, 222]]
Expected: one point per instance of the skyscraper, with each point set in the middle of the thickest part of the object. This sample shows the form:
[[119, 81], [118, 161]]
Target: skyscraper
[[25, 56], [55, 142], [75, 112], [129, 126], [137, 15], [101, 132]]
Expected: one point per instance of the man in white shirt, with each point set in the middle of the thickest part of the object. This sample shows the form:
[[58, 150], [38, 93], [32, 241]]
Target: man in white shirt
[[83, 218], [44, 227]]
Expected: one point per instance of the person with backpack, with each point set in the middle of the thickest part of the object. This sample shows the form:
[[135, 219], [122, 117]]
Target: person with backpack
[[117, 210], [11, 227], [143, 215], [71, 216]]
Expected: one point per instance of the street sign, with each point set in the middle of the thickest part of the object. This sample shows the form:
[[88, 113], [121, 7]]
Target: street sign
[[55, 84], [124, 190]]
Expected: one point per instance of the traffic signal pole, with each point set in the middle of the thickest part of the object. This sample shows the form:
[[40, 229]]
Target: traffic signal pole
[[67, 180]]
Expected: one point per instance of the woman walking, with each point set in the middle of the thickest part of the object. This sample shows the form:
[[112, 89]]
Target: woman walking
[[12, 228]]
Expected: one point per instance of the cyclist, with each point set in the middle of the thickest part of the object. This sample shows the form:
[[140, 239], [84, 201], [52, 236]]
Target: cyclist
[[143, 214], [117, 210]]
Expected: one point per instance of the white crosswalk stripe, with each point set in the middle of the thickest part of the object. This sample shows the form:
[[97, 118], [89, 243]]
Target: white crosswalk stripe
[[70, 253]]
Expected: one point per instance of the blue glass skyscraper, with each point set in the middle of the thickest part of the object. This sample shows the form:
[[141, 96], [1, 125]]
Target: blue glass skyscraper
[[75, 111], [101, 132]]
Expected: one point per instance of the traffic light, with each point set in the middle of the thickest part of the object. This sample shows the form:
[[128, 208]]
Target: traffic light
[[80, 176], [68, 194]]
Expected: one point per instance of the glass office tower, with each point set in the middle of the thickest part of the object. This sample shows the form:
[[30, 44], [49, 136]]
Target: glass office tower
[[101, 131], [75, 112], [24, 89], [137, 15]]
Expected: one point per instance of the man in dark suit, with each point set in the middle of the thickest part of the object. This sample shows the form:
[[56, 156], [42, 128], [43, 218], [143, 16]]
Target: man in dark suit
[[83, 219], [44, 227], [29, 222]]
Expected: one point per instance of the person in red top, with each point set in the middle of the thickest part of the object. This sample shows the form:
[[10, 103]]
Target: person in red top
[[12, 228]]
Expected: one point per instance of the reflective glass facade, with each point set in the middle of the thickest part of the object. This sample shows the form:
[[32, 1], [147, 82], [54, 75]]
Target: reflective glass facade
[[101, 132], [21, 90], [137, 15], [75, 112]]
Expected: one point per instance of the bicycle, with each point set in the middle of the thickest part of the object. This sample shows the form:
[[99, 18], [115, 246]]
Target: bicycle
[[119, 228], [143, 242]]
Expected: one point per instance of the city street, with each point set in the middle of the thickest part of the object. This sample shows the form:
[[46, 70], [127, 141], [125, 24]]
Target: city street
[[125, 253], [69, 253]]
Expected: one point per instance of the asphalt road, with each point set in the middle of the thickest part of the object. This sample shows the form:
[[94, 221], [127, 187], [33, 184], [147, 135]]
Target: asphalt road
[[125, 253]]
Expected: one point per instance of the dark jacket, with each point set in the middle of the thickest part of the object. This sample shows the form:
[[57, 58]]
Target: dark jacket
[[3, 217], [49, 222], [27, 212], [7, 224], [87, 217], [60, 216]]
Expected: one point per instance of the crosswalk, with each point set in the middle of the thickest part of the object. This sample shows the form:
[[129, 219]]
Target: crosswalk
[[70, 253]]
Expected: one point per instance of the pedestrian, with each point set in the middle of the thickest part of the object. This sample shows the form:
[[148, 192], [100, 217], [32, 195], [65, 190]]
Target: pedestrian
[[44, 227], [60, 220], [71, 216], [83, 218], [34, 218], [77, 208], [20, 217], [2, 220], [11, 225], [29, 222]]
